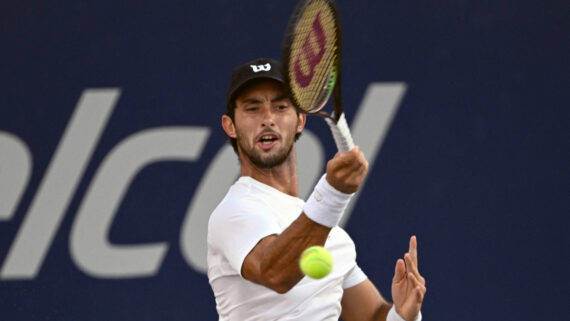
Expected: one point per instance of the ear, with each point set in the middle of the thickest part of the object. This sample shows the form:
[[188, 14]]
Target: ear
[[302, 122], [228, 125]]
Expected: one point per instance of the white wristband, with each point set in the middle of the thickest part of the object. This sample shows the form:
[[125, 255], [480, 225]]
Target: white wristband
[[394, 316], [326, 204]]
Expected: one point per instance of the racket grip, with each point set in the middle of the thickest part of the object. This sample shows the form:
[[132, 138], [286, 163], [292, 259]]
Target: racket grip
[[341, 134]]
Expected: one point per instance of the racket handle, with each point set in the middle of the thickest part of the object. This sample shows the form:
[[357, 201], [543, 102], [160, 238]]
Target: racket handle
[[341, 134]]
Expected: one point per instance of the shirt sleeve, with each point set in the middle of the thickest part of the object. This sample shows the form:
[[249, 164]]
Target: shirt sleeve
[[354, 277], [235, 229]]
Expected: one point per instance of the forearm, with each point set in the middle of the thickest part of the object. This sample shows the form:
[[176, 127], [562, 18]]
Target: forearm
[[364, 302], [279, 265], [274, 261], [382, 311], [387, 313]]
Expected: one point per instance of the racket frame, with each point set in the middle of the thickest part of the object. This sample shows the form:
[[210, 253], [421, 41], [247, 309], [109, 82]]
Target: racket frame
[[336, 120]]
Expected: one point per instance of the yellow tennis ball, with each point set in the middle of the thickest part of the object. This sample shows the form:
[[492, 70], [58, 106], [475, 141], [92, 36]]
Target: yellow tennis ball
[[316, 262]]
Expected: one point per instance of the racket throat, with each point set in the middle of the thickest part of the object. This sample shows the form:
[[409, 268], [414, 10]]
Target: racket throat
[[325, 115]]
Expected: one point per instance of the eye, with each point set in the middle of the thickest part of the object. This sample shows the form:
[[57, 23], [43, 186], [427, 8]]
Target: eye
[[251, 109], [282, 107]]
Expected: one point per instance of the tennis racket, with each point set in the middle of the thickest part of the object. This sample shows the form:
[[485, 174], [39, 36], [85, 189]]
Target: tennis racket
[[311, 60]]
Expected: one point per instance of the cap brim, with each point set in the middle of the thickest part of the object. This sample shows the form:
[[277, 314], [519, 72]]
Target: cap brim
[[248, 80]]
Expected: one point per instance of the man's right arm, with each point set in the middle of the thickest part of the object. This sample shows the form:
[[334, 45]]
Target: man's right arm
[[273, 262]]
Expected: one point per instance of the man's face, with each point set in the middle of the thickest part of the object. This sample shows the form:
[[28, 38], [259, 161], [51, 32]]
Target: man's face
[[266, 123]]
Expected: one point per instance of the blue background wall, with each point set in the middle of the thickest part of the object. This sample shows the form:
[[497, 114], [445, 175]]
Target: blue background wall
[[475, 161]]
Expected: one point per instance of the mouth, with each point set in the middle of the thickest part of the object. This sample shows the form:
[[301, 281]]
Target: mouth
[[267, 140]]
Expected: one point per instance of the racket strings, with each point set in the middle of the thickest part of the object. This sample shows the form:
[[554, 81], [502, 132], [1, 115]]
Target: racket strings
[[314, 53]]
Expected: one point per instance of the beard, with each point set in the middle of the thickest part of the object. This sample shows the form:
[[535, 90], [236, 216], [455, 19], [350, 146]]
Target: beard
[[265, 160]]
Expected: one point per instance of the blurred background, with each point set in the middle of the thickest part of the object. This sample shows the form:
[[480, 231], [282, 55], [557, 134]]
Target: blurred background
[[112, 154]]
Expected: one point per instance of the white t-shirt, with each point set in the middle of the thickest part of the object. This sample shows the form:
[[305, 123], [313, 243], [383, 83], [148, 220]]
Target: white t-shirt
[[251, 211]]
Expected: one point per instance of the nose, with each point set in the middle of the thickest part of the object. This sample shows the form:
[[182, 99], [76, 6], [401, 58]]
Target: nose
[[268, 117]]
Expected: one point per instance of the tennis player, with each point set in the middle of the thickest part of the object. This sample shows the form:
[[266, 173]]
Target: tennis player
[[259, 230]]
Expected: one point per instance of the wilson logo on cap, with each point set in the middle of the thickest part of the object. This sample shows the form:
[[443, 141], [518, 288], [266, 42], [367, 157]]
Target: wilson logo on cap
[[258, 68]]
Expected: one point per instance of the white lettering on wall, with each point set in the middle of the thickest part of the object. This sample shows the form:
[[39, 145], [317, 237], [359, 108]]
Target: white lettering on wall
[[89, 245]]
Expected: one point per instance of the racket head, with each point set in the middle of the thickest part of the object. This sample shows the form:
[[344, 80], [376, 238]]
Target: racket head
[[312, 53]]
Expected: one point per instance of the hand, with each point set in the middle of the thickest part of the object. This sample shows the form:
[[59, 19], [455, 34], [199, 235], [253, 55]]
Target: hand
[[408, 286], [346, 172]]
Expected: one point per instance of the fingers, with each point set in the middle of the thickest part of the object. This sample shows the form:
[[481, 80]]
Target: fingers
[[412, 255], [346, 172], [399, 271], [411, 259], [410, 264], [354, 160], [419, 288], [414, 249], [408, 286]]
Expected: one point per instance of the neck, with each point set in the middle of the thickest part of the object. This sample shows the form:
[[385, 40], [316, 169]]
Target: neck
[[282, 177]]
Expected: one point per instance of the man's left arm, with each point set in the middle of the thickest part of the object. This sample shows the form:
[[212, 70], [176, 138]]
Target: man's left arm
[[363, 302]]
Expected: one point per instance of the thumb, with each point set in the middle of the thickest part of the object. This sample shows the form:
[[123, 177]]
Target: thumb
[[400, 270]]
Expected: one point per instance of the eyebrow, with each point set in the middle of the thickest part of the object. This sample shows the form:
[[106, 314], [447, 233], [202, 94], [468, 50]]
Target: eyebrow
[[279, 98], [256, 101]]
